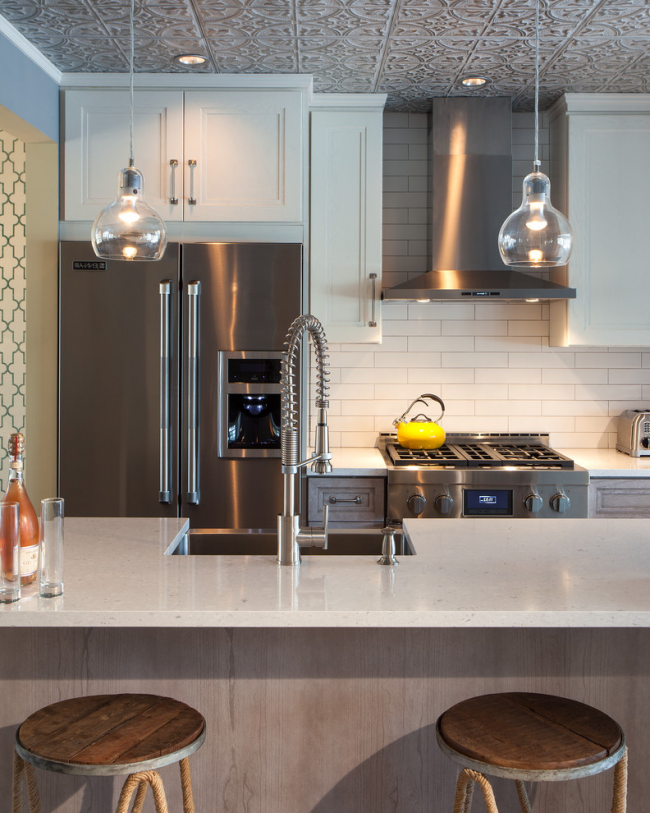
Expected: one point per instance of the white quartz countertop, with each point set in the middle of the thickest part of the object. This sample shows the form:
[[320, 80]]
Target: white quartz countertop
[[360, 462], [467, 573], [609, 462]]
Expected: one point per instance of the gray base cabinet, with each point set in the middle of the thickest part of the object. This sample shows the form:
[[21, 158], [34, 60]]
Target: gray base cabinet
[[619, 498], [354, 502]]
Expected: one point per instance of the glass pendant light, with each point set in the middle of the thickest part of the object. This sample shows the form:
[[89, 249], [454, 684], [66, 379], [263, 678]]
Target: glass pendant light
[[129, 229], [536, 235]]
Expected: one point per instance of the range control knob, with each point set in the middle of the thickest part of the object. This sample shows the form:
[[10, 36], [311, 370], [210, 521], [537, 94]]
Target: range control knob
[[416, 503], [645, 442], [533, 503], [444, 503], [560, 502]]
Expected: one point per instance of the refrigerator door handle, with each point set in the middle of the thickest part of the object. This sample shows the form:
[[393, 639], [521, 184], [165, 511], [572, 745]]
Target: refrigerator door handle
[[165, 288], [193, 293]]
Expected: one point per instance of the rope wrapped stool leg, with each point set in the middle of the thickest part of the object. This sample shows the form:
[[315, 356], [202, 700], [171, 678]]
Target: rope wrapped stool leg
[[137, 781], [465, 788], [186, 784], [523, 796], [619, 802], [21, 767]]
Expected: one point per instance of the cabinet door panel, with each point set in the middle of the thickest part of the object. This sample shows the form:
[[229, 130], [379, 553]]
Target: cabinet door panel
[[608, 179], [247, 148], [346, 161], [97, 148], [621, 497]]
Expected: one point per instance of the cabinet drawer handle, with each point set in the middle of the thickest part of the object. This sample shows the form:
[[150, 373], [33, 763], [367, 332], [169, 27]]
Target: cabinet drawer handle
[[373, 321], [173, 164], [191, 164], [356, 500]]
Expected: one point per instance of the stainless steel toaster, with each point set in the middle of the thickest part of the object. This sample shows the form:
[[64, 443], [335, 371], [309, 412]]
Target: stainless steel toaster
[[634, 432]]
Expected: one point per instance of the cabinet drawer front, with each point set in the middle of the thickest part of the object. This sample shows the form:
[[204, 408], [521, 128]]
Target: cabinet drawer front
[[619, 498], [350, 499]]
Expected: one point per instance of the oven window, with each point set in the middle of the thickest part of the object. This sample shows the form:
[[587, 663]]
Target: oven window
[[483, 502]]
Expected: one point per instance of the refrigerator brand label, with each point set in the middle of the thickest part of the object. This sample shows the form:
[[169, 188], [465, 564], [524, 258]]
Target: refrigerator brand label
[[84, 265]]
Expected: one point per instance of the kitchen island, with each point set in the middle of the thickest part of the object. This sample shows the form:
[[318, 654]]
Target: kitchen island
[[321, 685]]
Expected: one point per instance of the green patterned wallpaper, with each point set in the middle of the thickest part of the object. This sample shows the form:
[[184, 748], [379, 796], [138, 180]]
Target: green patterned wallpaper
[[12, 293]]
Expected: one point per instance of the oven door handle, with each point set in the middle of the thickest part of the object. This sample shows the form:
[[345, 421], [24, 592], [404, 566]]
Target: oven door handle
[[193, 426]]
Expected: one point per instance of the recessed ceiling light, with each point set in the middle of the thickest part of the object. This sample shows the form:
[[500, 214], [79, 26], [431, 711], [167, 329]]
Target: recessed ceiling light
[[474, 81], [190, 60]]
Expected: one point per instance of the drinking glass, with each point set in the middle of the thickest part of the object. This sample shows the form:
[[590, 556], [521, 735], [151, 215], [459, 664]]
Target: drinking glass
[[51, 554], [9, 552]]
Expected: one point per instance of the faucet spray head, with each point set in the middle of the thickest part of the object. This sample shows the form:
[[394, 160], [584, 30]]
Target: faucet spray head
[[322, 446]]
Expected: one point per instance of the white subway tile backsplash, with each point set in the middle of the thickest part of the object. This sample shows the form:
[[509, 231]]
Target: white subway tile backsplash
[[542, 360], [510, 408], [507, 375], [430, 360], [442, 343], [607, 391], [442, 376], [487, 392], [477, 327], [374, 375], [629, 376], [563, 375], [404, 327], [474, 359], [542, 391], [609, 360], [489, 361]]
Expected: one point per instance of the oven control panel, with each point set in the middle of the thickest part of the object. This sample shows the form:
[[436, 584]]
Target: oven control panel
[[456, 500]]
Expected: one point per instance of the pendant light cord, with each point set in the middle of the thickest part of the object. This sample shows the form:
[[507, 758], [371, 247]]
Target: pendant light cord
[[537, 162], [131, 162]]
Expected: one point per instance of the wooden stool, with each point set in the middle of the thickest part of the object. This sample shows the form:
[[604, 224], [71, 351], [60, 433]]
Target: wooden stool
[[530, 737], [108, 735]]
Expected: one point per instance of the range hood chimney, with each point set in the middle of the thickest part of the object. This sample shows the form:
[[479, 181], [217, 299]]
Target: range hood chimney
[[472, 196]]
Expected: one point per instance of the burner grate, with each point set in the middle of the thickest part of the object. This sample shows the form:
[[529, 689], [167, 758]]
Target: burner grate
[[414, 457], [491, 454]]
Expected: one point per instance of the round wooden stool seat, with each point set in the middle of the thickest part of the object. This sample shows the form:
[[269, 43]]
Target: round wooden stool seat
[[110, 734], [521, 735]]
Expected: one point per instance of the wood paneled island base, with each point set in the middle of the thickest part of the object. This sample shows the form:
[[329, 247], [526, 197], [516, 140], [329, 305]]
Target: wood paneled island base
[[327, 720]]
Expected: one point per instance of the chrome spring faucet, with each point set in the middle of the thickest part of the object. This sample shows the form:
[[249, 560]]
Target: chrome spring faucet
[[291, 537]]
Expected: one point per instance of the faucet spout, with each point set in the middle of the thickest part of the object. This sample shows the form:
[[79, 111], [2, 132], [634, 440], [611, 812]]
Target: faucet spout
[[290, 536]]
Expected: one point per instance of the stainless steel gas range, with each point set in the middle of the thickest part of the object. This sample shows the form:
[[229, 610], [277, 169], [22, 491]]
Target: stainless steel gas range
[[491, 475]]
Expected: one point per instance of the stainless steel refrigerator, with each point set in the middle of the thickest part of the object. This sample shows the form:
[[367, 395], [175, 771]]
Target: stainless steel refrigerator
[[169, 393]]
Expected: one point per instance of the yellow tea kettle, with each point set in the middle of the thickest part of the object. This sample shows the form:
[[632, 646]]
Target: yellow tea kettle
[[420, 432]]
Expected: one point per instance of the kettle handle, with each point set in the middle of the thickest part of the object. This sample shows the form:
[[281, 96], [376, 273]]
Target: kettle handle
[[420, 400]]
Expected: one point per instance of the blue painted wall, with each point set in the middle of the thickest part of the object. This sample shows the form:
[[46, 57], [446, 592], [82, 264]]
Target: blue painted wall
[[27, 91]]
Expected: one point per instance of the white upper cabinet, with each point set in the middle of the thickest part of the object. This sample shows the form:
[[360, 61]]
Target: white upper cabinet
[[599, 147], [224, 155], [97, 148], [346, 215], [248, 153]]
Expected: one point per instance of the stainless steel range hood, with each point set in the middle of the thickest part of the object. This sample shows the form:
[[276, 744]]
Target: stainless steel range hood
[[472, 196]]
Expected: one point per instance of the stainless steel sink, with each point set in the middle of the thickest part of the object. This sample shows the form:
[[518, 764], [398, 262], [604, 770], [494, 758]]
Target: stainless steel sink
[[253, 542]]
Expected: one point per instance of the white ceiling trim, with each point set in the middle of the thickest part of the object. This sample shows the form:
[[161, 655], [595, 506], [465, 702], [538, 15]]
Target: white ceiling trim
[[31, 51], [180, 81]]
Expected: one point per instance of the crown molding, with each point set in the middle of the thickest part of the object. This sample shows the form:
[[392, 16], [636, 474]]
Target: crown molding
[[347, 101], [188, 81], [616, 103], [31, 51]]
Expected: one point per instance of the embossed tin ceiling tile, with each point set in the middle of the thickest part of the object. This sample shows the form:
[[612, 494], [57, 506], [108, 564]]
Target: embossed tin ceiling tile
[[362, 10], [336, 27], [442, 25], [622, 20], [248, 25], [271, 9], [157, 24]]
